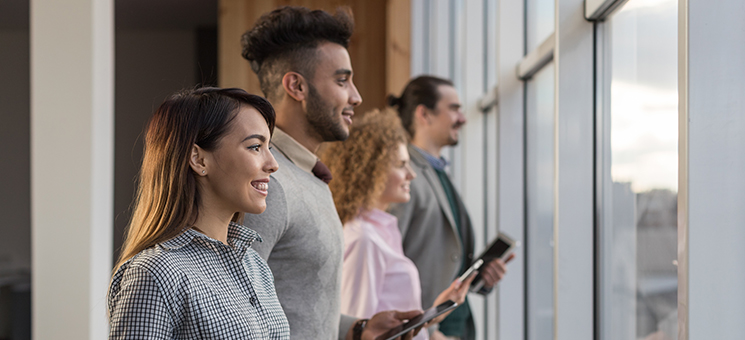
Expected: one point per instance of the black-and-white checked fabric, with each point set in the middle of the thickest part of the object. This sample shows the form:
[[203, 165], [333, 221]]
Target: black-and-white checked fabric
[[195, 287]]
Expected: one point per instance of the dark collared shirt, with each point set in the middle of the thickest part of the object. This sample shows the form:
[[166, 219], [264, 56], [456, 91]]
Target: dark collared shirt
[[195, 287]]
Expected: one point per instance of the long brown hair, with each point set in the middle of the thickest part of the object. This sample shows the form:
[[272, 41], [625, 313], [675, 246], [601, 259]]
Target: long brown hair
[[360, 164], [168, 198]]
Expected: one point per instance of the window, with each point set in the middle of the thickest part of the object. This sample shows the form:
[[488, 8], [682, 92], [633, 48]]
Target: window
[[539, 121], [540, 19], [638, 171]]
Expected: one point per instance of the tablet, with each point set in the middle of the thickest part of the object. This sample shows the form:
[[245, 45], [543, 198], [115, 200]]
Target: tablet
[[500, 248], [418, 320]]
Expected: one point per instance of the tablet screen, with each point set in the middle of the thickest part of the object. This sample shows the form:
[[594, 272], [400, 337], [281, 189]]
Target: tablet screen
[[417, 321]]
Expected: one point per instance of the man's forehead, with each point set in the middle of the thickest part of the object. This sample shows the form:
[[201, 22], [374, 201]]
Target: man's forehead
[[333, 58], [448, 96]]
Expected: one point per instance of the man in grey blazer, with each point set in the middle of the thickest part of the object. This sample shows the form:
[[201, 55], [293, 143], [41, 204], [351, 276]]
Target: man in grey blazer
[[435, 227], [304, 70]]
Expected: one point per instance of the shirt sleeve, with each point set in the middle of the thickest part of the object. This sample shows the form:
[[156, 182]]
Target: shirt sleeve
[[363, 274], [138, 309]]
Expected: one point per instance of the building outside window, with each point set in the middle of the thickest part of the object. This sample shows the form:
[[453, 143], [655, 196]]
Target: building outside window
[[638, 171]]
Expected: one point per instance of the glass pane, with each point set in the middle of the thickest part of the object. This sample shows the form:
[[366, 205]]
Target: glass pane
[[640, 174], [540, 16], [540, 203]]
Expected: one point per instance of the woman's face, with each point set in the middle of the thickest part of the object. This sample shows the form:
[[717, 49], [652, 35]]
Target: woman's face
[[399, 178], [237, 172]]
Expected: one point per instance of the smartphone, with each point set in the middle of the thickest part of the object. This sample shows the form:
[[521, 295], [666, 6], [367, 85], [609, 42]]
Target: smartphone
[[500, 248], [418, 320]]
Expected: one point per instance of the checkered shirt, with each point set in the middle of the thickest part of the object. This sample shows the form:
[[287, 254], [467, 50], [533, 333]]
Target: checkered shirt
[[195, 287]]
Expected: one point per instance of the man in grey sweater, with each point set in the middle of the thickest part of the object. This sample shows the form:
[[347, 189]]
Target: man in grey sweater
[[304, 70]]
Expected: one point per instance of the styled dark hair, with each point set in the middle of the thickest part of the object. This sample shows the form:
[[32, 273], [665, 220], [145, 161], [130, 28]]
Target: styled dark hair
[[420, 90], [167, 198], [286, 39]]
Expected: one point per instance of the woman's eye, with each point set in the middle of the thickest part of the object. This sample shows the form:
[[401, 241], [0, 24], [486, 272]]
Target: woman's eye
[[255, 147]]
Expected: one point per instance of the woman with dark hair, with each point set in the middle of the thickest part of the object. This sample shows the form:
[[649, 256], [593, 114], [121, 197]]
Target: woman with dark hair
[[371, 171], [187, 270]]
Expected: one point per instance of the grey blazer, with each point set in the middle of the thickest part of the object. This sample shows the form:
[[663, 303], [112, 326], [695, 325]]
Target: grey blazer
[[430, 236]]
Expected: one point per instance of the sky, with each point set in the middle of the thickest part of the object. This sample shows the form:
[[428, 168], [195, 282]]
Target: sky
[[644, 95]]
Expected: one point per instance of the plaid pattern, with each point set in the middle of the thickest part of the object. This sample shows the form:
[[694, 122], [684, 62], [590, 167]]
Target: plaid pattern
[[195, 287]]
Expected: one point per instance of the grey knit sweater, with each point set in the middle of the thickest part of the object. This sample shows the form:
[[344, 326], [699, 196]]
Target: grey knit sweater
[[303, 244]]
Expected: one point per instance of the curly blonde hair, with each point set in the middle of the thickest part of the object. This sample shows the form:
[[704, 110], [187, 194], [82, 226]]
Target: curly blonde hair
[[360, 165]]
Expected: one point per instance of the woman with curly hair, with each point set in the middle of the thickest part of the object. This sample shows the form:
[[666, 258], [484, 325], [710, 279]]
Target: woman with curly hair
[[371, 170]]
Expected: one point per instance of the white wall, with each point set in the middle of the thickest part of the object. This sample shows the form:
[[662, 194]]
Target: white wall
[[711, 256], [510, 180], [574, 169], [72, 107]]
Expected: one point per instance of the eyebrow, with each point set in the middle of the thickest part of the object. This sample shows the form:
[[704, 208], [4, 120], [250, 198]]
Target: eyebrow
[[257, 136], [454, 106], [343, 71]]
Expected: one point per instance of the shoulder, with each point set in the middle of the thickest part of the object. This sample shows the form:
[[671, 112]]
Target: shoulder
[[357, 229], [160, 264], [362, 235]]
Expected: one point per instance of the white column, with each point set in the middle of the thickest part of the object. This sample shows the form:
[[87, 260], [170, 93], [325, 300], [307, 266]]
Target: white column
[[470, 149], [71, 166], [573, 222], [711, 198], [510, 171]]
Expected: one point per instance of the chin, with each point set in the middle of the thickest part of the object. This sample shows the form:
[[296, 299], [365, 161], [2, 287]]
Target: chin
[[403, 198], [256, 209]]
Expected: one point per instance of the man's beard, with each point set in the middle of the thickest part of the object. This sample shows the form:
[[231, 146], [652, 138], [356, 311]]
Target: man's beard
[[320, 116], [454, 141]]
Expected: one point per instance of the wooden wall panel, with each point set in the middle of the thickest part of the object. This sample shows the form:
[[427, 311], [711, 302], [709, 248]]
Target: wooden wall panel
[[235, 17], [368, 46], [398, 45]]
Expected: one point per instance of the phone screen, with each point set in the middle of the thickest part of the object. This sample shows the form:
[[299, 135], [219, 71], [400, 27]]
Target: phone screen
[[496, 251]]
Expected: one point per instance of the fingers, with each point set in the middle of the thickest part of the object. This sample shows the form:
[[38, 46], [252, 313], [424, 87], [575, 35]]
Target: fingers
[[382, 322], [509, 258], [493, 272], [406, 315], [468, 280]]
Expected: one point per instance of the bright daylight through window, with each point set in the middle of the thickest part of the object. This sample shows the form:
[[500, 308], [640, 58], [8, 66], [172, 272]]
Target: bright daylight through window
[[639, 172]]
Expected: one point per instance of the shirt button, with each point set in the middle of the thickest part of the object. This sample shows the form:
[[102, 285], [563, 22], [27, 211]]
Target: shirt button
[[252, 300], [455, 257]]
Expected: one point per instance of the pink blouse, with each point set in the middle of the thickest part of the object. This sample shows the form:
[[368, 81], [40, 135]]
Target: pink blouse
[[376, 275]]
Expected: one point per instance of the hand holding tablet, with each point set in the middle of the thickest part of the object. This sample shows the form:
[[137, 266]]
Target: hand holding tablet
[[418, 321]]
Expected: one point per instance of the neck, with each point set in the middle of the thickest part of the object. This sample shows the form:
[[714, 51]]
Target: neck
[[292, 120], [213, 223], [427, 145], [381, 205]]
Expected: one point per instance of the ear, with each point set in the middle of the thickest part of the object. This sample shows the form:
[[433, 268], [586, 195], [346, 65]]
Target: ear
[[422, 115], [295, 86], [196, 160]]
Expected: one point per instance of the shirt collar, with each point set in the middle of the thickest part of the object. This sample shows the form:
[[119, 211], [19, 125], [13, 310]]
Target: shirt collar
[[238, 235], [438, 163], [294, 151], [380, 217]]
